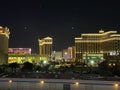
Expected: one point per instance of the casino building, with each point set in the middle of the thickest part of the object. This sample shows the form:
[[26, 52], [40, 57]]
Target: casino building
[[45, 47], [92, 48], [4, 40]]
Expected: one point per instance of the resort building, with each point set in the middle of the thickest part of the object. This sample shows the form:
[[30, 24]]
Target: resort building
[[45, 47], [4, 41], [92, 48]]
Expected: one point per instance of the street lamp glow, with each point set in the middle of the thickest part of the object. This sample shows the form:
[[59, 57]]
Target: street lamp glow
[[66, 53], [10, 81], [92, 62], [110, 64], [45, 62], [116, 85], [113, 64], [42, 82], [76, 83]]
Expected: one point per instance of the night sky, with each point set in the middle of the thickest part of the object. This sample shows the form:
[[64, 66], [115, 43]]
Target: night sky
[[62, 20]]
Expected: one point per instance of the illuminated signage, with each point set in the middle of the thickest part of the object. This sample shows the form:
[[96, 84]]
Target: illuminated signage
[[114, 53], [19, 50]]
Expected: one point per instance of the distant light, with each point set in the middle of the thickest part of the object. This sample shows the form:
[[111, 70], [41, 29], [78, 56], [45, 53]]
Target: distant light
[[109, 64], [25, 27], [66, 53], [92, 62], [76, 83], [10, 81], [42, 82], [45, 62], [113, 64], [1, 31], [116, 85], [72, 27], [29, 49]]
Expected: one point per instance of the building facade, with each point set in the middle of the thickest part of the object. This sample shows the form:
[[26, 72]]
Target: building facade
[[69, 54], [22, 55], [22, 58], [92, 48], [56, 56], [45, 47], [71, 51], [19, 50], [4, 41]]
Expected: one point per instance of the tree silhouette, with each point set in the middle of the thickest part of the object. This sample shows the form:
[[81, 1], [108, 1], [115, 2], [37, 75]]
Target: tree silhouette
[[27, 66], [13, 66], [4, 68]]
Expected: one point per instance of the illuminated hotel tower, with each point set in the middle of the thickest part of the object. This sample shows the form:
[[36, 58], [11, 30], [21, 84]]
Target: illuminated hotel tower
[[97, 46], [4, 37], [45, 46]]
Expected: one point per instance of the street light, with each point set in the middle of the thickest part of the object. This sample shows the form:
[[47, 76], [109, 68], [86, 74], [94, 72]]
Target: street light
[[42, 82], [76, 83], [92, 62], [116, 86], [10, 81]]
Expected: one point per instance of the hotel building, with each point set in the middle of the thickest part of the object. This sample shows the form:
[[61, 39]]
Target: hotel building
[[92, 48], [56, 56], [22, 55], [45, 47], [4, 40], [22, 58], [69, 54], [71, 51]]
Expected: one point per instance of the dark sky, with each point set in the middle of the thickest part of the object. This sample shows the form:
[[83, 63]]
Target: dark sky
[[63, 20]]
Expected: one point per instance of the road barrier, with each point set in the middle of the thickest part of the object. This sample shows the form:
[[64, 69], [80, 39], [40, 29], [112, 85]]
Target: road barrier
[[56, 84]]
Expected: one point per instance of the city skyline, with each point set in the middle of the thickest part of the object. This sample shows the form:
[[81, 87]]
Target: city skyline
[[62, 20]]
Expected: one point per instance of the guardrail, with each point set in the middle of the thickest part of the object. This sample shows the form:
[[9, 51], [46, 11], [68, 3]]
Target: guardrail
[[56, 84]]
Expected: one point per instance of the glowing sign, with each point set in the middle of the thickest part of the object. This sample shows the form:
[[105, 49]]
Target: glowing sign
[[114, 53], [19, 50]]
